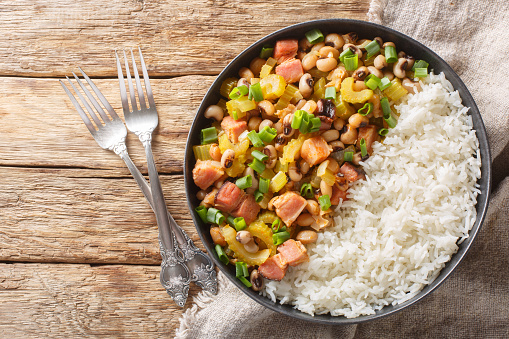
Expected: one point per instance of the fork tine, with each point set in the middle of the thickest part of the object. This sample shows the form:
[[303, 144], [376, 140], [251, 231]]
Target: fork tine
[[94, 102], [150, 97], [141, 96], [130, 84], [85, 103], [100, 95], [121, 82], [82, 113]]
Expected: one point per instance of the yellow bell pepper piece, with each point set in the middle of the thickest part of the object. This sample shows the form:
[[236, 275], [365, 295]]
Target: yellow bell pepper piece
[[349, 95], [264, 233], [273, 86]]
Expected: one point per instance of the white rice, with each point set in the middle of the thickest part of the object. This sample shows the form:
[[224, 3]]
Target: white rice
[[402, 224]]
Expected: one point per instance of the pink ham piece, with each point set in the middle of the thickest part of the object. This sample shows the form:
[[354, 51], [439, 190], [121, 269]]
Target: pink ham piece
[[315, 150], [228, 197], [293, 252], [336, 195], [285, 49], [370, 134], [233, 128], [291, 70], [288, 206], [274, 268], [247, 209], [205, 173], [352, 173]]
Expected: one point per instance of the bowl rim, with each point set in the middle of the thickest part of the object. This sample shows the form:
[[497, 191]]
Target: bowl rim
[[482, 199]]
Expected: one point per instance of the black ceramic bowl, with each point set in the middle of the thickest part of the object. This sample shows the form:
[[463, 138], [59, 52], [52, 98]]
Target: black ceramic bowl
[[364, 30]]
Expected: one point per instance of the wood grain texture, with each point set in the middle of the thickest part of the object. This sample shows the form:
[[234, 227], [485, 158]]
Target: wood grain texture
[[40, 127], [47, 38], [78, 301], [82, 216]]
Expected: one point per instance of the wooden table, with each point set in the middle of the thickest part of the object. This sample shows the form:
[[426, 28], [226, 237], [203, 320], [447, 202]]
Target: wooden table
[[78, 249]]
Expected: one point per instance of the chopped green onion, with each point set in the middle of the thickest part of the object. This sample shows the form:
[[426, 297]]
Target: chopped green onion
[[372, 48], [239, 223], [324, 202], [244, 182], [255, 92], [214, 216], [315, 124], [351, 62], [267, 134], [390, 54], [202, 213], [221, 255], [241, 269], [231, 220], [235, 115], [255, 139], [263, 185], [384, 83], [237, 92], [306, 190], [314, 36], [266, 51], [344, 54], [305, 124], [258, 196], [366, 109], [257, 165], [259, 155], [372, 81], [330, 93], [208, 135], [297, 118], [386, 107], [280, 237], [245, 281], [383, 131], [420, 64], [390, 120], [421, 72], [364, 149], [276, 224], [348, 156]]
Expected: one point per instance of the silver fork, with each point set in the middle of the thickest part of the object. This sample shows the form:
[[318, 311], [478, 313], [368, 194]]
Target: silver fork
[[142, 122], [110, 134]]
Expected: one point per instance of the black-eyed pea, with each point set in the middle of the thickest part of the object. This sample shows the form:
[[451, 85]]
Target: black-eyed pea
[[214, 112], [305, 219], [331, 135], [325, 189], [215, 152], [326, 64], [217, 237], [358, 120], [307, 237], [349, 137], [359, 86], [339, 124], [329, 52], [264, 123], [266, 107], [312, 207], [254, 123], [201, 194], [256, 66], [309, 60], [317, 47], [334, 40], [246, 73], [304, 167], [337, 145]]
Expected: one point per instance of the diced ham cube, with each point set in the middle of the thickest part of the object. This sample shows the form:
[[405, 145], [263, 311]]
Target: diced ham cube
[[288, 206], [370, 134], [206, 172], [315, 150], [290, 70], [285, 49], [274, 268], [336, 195], [293, 252], [247, 208], [233, 128], [228, 197], [352, 173]]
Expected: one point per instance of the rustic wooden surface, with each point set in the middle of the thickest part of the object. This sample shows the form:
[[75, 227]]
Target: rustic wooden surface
[[78, 254]]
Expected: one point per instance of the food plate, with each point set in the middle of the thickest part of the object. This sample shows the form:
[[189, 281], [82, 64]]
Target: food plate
[[364, 29]]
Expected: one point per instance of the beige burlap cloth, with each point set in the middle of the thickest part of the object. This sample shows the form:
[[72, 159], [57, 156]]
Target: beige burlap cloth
[[473, 37]]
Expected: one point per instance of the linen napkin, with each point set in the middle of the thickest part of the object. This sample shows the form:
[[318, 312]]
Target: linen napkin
[[472, 36]]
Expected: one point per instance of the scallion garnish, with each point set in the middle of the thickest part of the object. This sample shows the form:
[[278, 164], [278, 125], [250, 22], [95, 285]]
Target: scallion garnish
[[330, 93], [276, 224], [208, 135], [306, 190], [221, 255], [297, 118], [420, 64], [351, 62], [390, 120], [235, 115], [372, 48], [259, 155], [386, 107], [344, 54], [383, 131], [372, 81], [245, 281], [202, 212], [366, 109], [263, 185], [348, 156], [266, 51], [255, 139], [239, 223], [239, 91], [421, 72], [241, 269], [244, 182], [231, 220], [315, 124], [215, 216], [390, 54], [255, 92], [364, 149], [384, 83], [280, 237], [267, 134], [324, 202], [258, 195], [257, 165], [314, 36]]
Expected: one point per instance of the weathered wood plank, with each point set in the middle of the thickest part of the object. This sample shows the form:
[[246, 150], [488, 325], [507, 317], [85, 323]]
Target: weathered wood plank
[[77, 301], [82, 216], [48, 38], [40, 127]]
